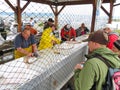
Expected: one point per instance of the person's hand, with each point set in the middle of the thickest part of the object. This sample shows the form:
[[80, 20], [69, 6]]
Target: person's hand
[[68, 39], [73, 39], [30, 54], [35, 54], [79, 66], [54, 42]]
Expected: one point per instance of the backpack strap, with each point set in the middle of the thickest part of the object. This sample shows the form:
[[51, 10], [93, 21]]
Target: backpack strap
[[102, 59], [108, 65]]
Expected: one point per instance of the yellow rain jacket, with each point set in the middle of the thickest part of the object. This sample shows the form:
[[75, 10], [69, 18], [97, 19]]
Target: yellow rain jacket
[[19, 54], [46, 39]]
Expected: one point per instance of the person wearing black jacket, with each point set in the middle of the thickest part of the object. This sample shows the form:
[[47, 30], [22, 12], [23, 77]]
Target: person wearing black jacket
[[82, 30]]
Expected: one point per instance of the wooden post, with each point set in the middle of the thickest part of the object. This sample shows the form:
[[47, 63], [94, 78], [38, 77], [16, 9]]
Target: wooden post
[[19, 16], [93, 17], [18, 11], [56, 16], [111, 11], [56, 13]]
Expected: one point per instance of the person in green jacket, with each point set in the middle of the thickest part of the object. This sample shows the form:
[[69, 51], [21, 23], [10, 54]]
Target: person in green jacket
[[94, 70]]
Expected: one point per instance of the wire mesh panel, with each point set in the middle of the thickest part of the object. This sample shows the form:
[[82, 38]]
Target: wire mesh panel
[[50, 71], [7, 14], [55, 65], [74, 15], [39, 12]]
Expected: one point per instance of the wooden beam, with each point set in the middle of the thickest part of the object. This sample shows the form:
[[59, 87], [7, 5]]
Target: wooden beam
[[25, 6], [42, 1], [93, 17], [105, 10], [67, 2], [56, 13], [52, 9], [13, 8], [19, 16], [79, 2], [116, 4], [19, 12], [56, 16], [111, 11], [61, 9], [74, 2]]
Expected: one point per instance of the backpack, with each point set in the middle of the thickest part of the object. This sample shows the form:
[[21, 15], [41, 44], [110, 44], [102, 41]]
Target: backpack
[[113, 76]]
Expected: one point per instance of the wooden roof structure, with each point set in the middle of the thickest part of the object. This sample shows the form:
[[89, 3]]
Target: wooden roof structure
[[54, 4], [67, 2]]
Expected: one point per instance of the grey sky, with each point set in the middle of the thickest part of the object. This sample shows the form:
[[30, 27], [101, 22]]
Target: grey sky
[[79, 9]]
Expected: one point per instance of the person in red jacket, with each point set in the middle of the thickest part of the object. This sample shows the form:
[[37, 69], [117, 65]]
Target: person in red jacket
[[113, 36], [68, 33]]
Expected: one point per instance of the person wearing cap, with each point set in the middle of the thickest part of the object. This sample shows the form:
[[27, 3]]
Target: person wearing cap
[[48, 39], [32, 30], [25, 44], [95, 70], [32, 22], [82, 30], [48, 23], [113, 36], [68, 33]]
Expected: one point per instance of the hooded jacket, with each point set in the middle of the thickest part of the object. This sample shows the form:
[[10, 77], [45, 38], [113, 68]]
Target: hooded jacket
[[46, 39], [95, 70], [113, 36]]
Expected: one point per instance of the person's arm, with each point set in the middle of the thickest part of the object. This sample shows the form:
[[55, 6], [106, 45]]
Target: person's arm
[[55, 40], [34, 48], [84, 79], [78, 32], [86, 29], [25, 52], [18, 45], [63, 36], [73, 34]]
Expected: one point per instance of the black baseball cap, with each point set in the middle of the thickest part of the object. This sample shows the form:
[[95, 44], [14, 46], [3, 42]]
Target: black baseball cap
[[50, 20]]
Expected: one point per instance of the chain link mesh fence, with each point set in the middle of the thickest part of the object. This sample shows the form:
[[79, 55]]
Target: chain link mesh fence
[[49, 71], [55, 66]]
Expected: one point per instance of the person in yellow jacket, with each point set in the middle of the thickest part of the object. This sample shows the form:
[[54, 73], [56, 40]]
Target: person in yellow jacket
[[48, 39], [25, 44]]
